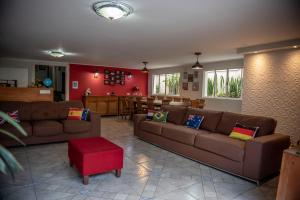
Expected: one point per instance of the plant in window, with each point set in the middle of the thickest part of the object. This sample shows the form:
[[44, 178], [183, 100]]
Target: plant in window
[[173, 83], [235, 87], [210, 87]]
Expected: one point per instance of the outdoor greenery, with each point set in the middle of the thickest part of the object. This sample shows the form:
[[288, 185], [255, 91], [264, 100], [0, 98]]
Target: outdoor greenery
[[235, 87], [210, 87], [167, 84], [8, 163], [172, 82]]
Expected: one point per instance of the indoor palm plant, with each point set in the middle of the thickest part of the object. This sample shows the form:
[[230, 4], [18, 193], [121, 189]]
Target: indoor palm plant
[[8, 163]]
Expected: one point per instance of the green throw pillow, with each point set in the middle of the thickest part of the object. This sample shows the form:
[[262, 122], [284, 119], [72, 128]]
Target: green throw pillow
[[160, 116]]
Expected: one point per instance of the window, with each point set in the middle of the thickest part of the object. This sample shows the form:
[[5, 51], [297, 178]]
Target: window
[[223, 83], [166, 84]]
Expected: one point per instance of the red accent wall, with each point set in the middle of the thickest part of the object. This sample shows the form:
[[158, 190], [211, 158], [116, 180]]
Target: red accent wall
[[84, 74]]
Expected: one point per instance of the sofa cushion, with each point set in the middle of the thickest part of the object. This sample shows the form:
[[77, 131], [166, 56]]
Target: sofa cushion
[[44, 110], [180, 133], [25, 124], [24, 108], [63, 108], [266, 125], [176, 114], [47, 128], [76, 126], [151, 126], [221, 145], [211, 118]]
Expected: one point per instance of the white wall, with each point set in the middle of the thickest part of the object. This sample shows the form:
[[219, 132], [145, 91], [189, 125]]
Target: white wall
[[15, 74], [213, 104], [272, 88], [21, 66]]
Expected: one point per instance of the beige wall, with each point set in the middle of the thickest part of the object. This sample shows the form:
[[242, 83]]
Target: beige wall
[[272, 88], [212, 104]]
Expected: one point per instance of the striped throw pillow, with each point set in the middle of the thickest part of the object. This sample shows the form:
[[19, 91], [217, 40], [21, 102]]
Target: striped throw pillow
[[242, 132], [75, 113]]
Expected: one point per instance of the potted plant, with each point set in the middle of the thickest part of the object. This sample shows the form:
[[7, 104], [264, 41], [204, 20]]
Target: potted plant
[[8, 163]]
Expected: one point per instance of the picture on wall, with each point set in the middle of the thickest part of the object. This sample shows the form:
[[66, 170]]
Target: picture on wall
[[185, 85], [195, 74], [106, 82], [185, 75], [114, 77], [195, 86], [74, 84], [190, 78]]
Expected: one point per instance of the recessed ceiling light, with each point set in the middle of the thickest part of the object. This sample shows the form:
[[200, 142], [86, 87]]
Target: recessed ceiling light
[[112, 9], [56, 53]]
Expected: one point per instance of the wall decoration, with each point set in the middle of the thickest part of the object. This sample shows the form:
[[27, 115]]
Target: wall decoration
[[195, 86], [74, 84], [185, 85], [196, 74], [185, 75], [190, 78], [114, 77]]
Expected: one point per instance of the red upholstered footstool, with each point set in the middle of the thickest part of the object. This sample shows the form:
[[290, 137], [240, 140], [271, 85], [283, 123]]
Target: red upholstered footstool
[[95, 155]]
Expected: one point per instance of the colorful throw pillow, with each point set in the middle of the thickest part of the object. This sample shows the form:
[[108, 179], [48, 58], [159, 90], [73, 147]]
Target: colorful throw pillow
[[194, 121], [242, 132], [150, 114], [160, 116], [14, 115], [75, 113], [85, 114]]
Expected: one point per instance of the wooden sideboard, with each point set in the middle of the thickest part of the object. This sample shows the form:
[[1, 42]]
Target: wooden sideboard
[[26, 94], [105, 105]]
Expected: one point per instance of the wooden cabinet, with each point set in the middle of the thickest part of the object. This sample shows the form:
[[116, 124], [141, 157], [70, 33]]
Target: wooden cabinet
[[289, 180], [105, 105], [26, 94]]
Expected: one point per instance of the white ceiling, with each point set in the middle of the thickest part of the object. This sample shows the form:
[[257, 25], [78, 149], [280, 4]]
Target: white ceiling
[[163, 32]]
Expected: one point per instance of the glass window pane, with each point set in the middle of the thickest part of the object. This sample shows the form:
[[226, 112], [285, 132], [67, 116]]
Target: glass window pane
[[234, 83], [209, 83], [162, 84], [172, 84], [220, 85], [155, 89]]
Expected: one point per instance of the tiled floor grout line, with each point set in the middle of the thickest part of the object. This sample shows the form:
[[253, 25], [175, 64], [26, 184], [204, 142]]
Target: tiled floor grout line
[[30, 172]]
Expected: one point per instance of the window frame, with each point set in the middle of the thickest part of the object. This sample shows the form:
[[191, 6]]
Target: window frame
[[165, 91], [204, 86]]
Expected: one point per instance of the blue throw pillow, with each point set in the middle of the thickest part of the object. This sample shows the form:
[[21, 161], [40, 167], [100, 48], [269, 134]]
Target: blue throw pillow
[[194, 121], [85, 114]]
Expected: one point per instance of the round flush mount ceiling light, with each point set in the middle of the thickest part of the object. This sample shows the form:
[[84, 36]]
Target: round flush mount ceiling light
[[112, 9], [56, 53]]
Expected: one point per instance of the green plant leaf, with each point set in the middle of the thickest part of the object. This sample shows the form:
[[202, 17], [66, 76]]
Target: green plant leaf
[[3, 168], [12, 122], [12, 165], [12, 136]]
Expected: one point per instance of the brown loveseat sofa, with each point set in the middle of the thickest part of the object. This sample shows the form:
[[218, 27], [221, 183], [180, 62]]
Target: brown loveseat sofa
[[255, 159], [47, 122]]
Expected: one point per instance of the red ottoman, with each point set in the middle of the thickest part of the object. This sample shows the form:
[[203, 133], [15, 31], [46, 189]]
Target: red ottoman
[[95, 155]]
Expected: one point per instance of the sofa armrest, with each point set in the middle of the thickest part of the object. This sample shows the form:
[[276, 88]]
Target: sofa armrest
[[95, 119], [263, 155], [137, 118]]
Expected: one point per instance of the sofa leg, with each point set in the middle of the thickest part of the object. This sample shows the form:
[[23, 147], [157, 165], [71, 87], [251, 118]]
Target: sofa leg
[[85, 180], [118, 172]]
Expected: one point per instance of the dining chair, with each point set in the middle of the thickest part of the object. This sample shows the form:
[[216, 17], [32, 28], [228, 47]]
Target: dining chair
[[197, 103], [177, 99], [150, 103], [186, 101], [166, 102], [140, 108]]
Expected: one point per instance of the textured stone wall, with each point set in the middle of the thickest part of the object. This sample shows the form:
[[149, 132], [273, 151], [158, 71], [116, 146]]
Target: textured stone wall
[[271, 88]]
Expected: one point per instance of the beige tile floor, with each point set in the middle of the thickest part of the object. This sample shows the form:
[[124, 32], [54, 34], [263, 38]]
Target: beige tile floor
[[150, 173]]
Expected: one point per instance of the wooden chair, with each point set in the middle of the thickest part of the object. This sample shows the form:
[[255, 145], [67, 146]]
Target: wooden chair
[[197, 103], [139, 108], [177, 99], [169, 98], [166, 102], [127, 107], [150, 104], [160, 97], [186, 101]]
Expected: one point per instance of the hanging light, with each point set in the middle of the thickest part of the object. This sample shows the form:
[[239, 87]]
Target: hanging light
[[145, 70], [197, 65], [112, 9]]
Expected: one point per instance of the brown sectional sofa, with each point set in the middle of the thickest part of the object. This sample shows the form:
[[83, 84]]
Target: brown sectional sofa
[[255, 159], [47, 122]]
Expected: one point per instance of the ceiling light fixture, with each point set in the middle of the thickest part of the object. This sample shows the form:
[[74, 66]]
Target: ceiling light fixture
[[56, 53], [112, 9], [197, 65], [145, 70]]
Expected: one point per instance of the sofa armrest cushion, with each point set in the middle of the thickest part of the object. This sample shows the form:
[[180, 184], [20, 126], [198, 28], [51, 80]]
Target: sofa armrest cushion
[[263, 155], [137, 119], [95, 119]]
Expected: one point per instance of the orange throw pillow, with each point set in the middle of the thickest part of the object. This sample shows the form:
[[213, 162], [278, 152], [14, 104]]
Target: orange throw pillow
[[75, 113]]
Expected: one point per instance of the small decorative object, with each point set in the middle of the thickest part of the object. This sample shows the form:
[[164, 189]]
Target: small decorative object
[[87, 92], [106, 82], [195, 86], [160, 116], [74, 84], [243, 132], [85, 114], [37, 83], [190, 78], [135, 90], [185, 86], [185, 75], [195, 74], [47, 82], [129, 75], [194, 121], [150, 114], [106, 71], [75, 113]]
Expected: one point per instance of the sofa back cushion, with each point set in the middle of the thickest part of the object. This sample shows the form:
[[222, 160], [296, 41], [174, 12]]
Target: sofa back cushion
[[176, 114], [24, 108], [266, 125], [44, 110], [211, 118], [63, 108]]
